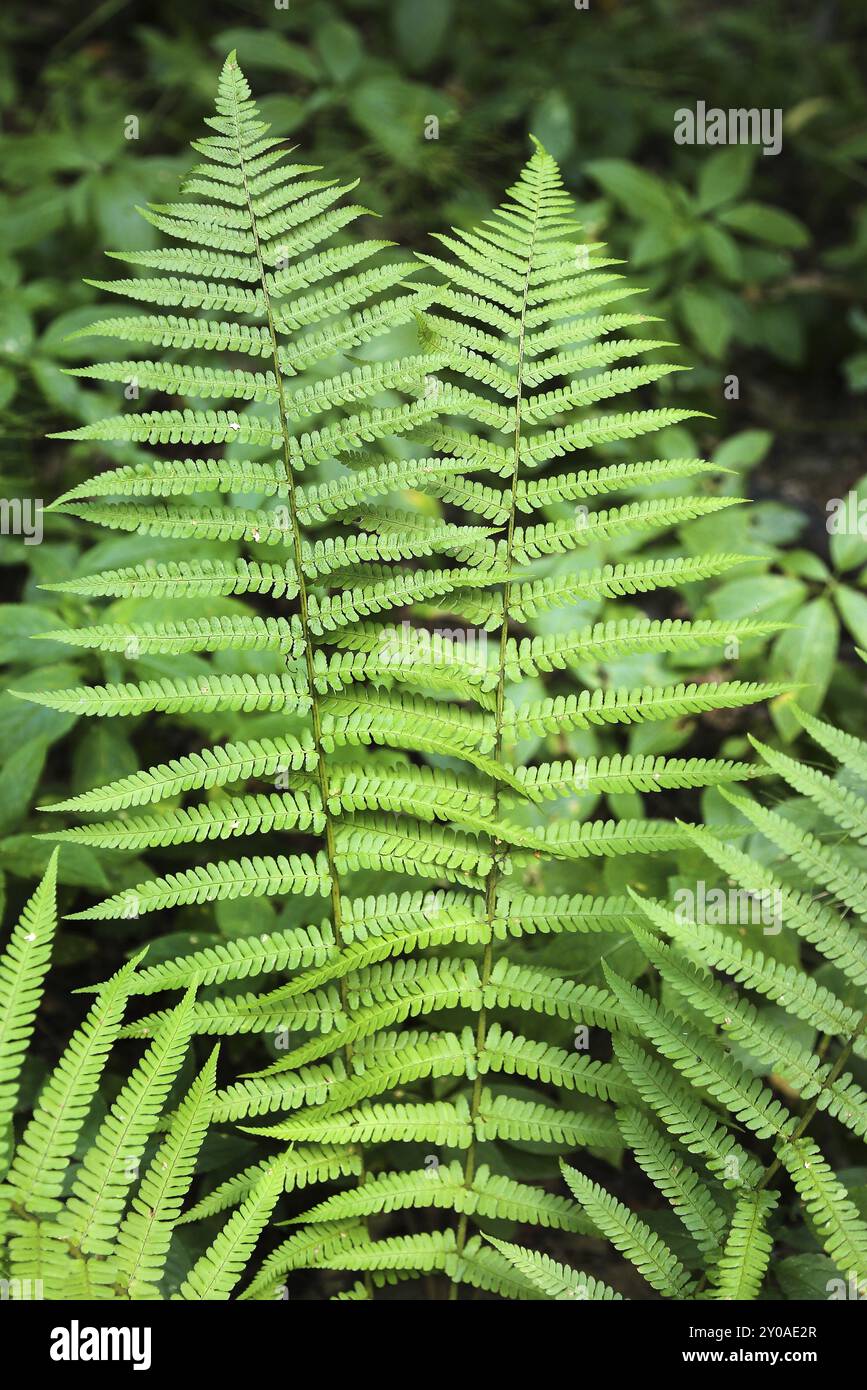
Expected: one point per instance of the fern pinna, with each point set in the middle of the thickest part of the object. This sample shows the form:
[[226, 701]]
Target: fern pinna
[[699, 1080], [394, 1014]]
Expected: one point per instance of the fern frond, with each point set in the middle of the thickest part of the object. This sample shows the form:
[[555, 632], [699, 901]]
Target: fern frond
[[298, 1252], [562, 713], [185, 579], [218, 1270], [677, 1181], [561, 537], [405, 721], [552, 1279], [524, 914], [190, 695], [685, 1115], [219, 882], [606, 642], [743, 1023], [624, 772], [394, 1014], [846, 807], [158, 477], [43, 1154], [217, 523], [528, 600], [434, 1122], [814, 920], [514, 1055], [420, 1253], [247, 633], [801, 993], [145, 1234], [503, 1117], [846, 748], [535, 493], [822, 864], [301, 1167], [23, 967], [834, 1215], [392, 1061], [96, 1201], [631, 1236], [374, 929], [537, 989], [411, 848], [704, 1062], [748, 1247], [396, 589], [442, 1186], [214, 820], [482, 1267], [212, 767]]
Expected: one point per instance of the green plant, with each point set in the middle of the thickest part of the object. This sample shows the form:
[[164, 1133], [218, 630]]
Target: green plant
[[723, 263], [75, 1221], [360, 81], [707, 1044], [523, 314]]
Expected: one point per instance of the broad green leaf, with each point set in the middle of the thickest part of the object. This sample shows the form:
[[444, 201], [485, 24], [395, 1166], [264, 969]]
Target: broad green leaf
[[767, 223]]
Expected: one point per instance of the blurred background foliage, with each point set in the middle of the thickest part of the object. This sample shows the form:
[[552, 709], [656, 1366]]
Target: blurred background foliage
[[757, 263]]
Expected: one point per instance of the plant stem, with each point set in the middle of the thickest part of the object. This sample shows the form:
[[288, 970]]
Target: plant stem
[[808, 1116]]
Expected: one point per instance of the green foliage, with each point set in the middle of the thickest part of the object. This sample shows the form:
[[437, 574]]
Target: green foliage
[[75, 1221], [732, 1051], [392, 818], [376, 616]]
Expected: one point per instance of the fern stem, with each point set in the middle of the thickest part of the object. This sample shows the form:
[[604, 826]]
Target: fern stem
[[303, 612], [809, 1114], [493, 878]]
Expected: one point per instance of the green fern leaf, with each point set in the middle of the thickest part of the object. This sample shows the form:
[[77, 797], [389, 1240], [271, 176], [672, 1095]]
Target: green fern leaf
[[144, 1237], [23, 967], [219, 882], [552, 1279], [43, 1155], [748, 1247], [704, 1062], [631, 1236], [841, 1230], [677, 1181], [90, 1217], [218, 1270]]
